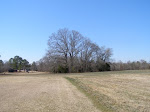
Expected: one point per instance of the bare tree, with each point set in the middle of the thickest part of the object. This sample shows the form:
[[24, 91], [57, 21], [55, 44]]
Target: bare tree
[[58, 46], [75, 46], [69, 51], [105, 53]]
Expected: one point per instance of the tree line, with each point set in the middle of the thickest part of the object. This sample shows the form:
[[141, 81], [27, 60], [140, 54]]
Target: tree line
[[114, 66], [134, 65], [71, 52]]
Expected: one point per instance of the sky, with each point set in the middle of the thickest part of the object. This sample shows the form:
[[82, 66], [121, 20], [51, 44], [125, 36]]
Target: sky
[[123, 25]]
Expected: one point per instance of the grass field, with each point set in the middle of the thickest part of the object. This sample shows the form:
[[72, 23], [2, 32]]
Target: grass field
[[125, 91], [41, 92]]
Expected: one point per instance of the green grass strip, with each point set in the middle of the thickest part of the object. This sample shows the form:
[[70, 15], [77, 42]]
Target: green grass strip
[[94, 96]]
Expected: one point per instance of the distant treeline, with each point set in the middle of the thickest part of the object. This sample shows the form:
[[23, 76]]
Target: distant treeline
[[135, 65], [42, 66]]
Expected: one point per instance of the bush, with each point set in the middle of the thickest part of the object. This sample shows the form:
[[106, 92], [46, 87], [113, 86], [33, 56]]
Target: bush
[[104, 67], [12, 70], [62, 69]]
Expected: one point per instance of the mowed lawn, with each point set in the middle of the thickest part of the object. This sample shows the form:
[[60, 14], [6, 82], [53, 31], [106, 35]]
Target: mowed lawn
[[126, 91]]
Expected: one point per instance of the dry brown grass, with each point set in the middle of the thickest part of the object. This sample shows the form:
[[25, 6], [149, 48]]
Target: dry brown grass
[[41, 93], [127, 91]]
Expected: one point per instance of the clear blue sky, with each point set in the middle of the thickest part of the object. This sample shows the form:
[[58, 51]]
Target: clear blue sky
[[123, 25]]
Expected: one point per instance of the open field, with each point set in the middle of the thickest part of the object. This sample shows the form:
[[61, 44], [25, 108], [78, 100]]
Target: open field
[[126, 91], [41, 93]]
